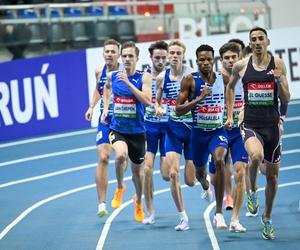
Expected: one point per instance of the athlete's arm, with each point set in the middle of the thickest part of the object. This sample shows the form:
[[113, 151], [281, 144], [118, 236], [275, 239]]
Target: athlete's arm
[[159, 111], [230, 91], [95, 98], [187, 86], [106, 97], [281, 80], [144, 95]]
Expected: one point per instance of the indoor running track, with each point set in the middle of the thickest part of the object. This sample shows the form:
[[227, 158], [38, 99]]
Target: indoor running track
[[48, 201]]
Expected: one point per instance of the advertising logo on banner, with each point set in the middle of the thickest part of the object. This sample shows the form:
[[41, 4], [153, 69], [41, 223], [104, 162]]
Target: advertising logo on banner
[[43, 95]]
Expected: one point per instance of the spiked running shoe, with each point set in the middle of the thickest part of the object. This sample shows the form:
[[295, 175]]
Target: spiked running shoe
[[252, 204], [182, 226], [219, 221], [150, 219], [102, 210], [237, 227], [207, 195], [117, 200], [268, 230], [139, 212]]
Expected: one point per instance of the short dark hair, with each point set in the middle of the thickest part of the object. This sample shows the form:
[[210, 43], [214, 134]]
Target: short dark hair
[[111, 42], [130, 44], [258, 29], [204, 47], [238, 41], [229, 47], [158, 45]]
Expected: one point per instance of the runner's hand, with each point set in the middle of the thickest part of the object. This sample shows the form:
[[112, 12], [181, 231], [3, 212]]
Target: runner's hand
[[103, 117]]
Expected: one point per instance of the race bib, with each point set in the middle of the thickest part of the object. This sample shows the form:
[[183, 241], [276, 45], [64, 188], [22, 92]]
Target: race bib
[[150, 110], [209, 117], [125, 107], [186, 117], [261, 93], [237, 108]]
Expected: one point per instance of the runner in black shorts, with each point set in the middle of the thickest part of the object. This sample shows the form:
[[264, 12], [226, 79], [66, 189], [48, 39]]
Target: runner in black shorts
[[264, 79], [135, 143]]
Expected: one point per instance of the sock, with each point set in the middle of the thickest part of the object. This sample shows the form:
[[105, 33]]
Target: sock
[[183, 215]]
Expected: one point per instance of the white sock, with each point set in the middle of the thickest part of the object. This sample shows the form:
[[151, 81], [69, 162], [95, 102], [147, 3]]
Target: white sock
[[183, 216]]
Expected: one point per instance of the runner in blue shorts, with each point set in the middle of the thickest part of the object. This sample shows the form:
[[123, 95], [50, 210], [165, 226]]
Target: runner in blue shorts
[[111, 53], [203, 93], [226, 70], [168, 86], [229, 54], [155, 129]]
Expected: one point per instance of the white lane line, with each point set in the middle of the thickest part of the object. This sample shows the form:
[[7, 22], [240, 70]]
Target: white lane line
[[54, 197], [292, 151], [72, 191], [39, 177], [76, 150], [110, 219], [292, 118], [58, 153], [209, 227], [46, 138], [290, 135], [82, 167], [40, 203], [294, 102]]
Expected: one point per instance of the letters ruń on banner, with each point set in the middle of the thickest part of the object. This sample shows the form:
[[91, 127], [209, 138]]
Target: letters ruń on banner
[[43, 95]]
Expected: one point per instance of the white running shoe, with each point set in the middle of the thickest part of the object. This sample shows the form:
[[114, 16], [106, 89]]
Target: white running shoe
[[207, 195], [237, 227], [102, 210], [182, 226], [149, 219], [219, 221]]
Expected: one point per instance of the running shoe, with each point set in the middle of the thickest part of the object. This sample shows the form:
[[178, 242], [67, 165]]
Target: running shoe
[[207, 195], [236, 227], [138, 212], [252, 204], [150, 219], [117, 200], [182, 226], [229, 202], [102, 210], [219, 221], [268, 230]]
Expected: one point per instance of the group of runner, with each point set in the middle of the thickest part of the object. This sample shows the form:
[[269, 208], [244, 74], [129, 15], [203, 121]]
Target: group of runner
[[216, 119]]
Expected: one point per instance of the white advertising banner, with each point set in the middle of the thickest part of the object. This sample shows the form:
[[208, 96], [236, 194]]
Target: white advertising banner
[[285, 43]]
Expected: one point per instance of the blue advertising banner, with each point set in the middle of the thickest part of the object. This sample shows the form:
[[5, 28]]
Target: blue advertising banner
[[43, 95]]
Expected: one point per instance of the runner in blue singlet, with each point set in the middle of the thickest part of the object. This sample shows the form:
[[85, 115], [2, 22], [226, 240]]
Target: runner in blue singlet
[[178, 133], [110, 54], [131, 91], [203, 93], [156, 129]]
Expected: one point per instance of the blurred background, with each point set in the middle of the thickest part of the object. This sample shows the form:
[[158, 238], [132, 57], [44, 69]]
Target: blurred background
[[34, 27]]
